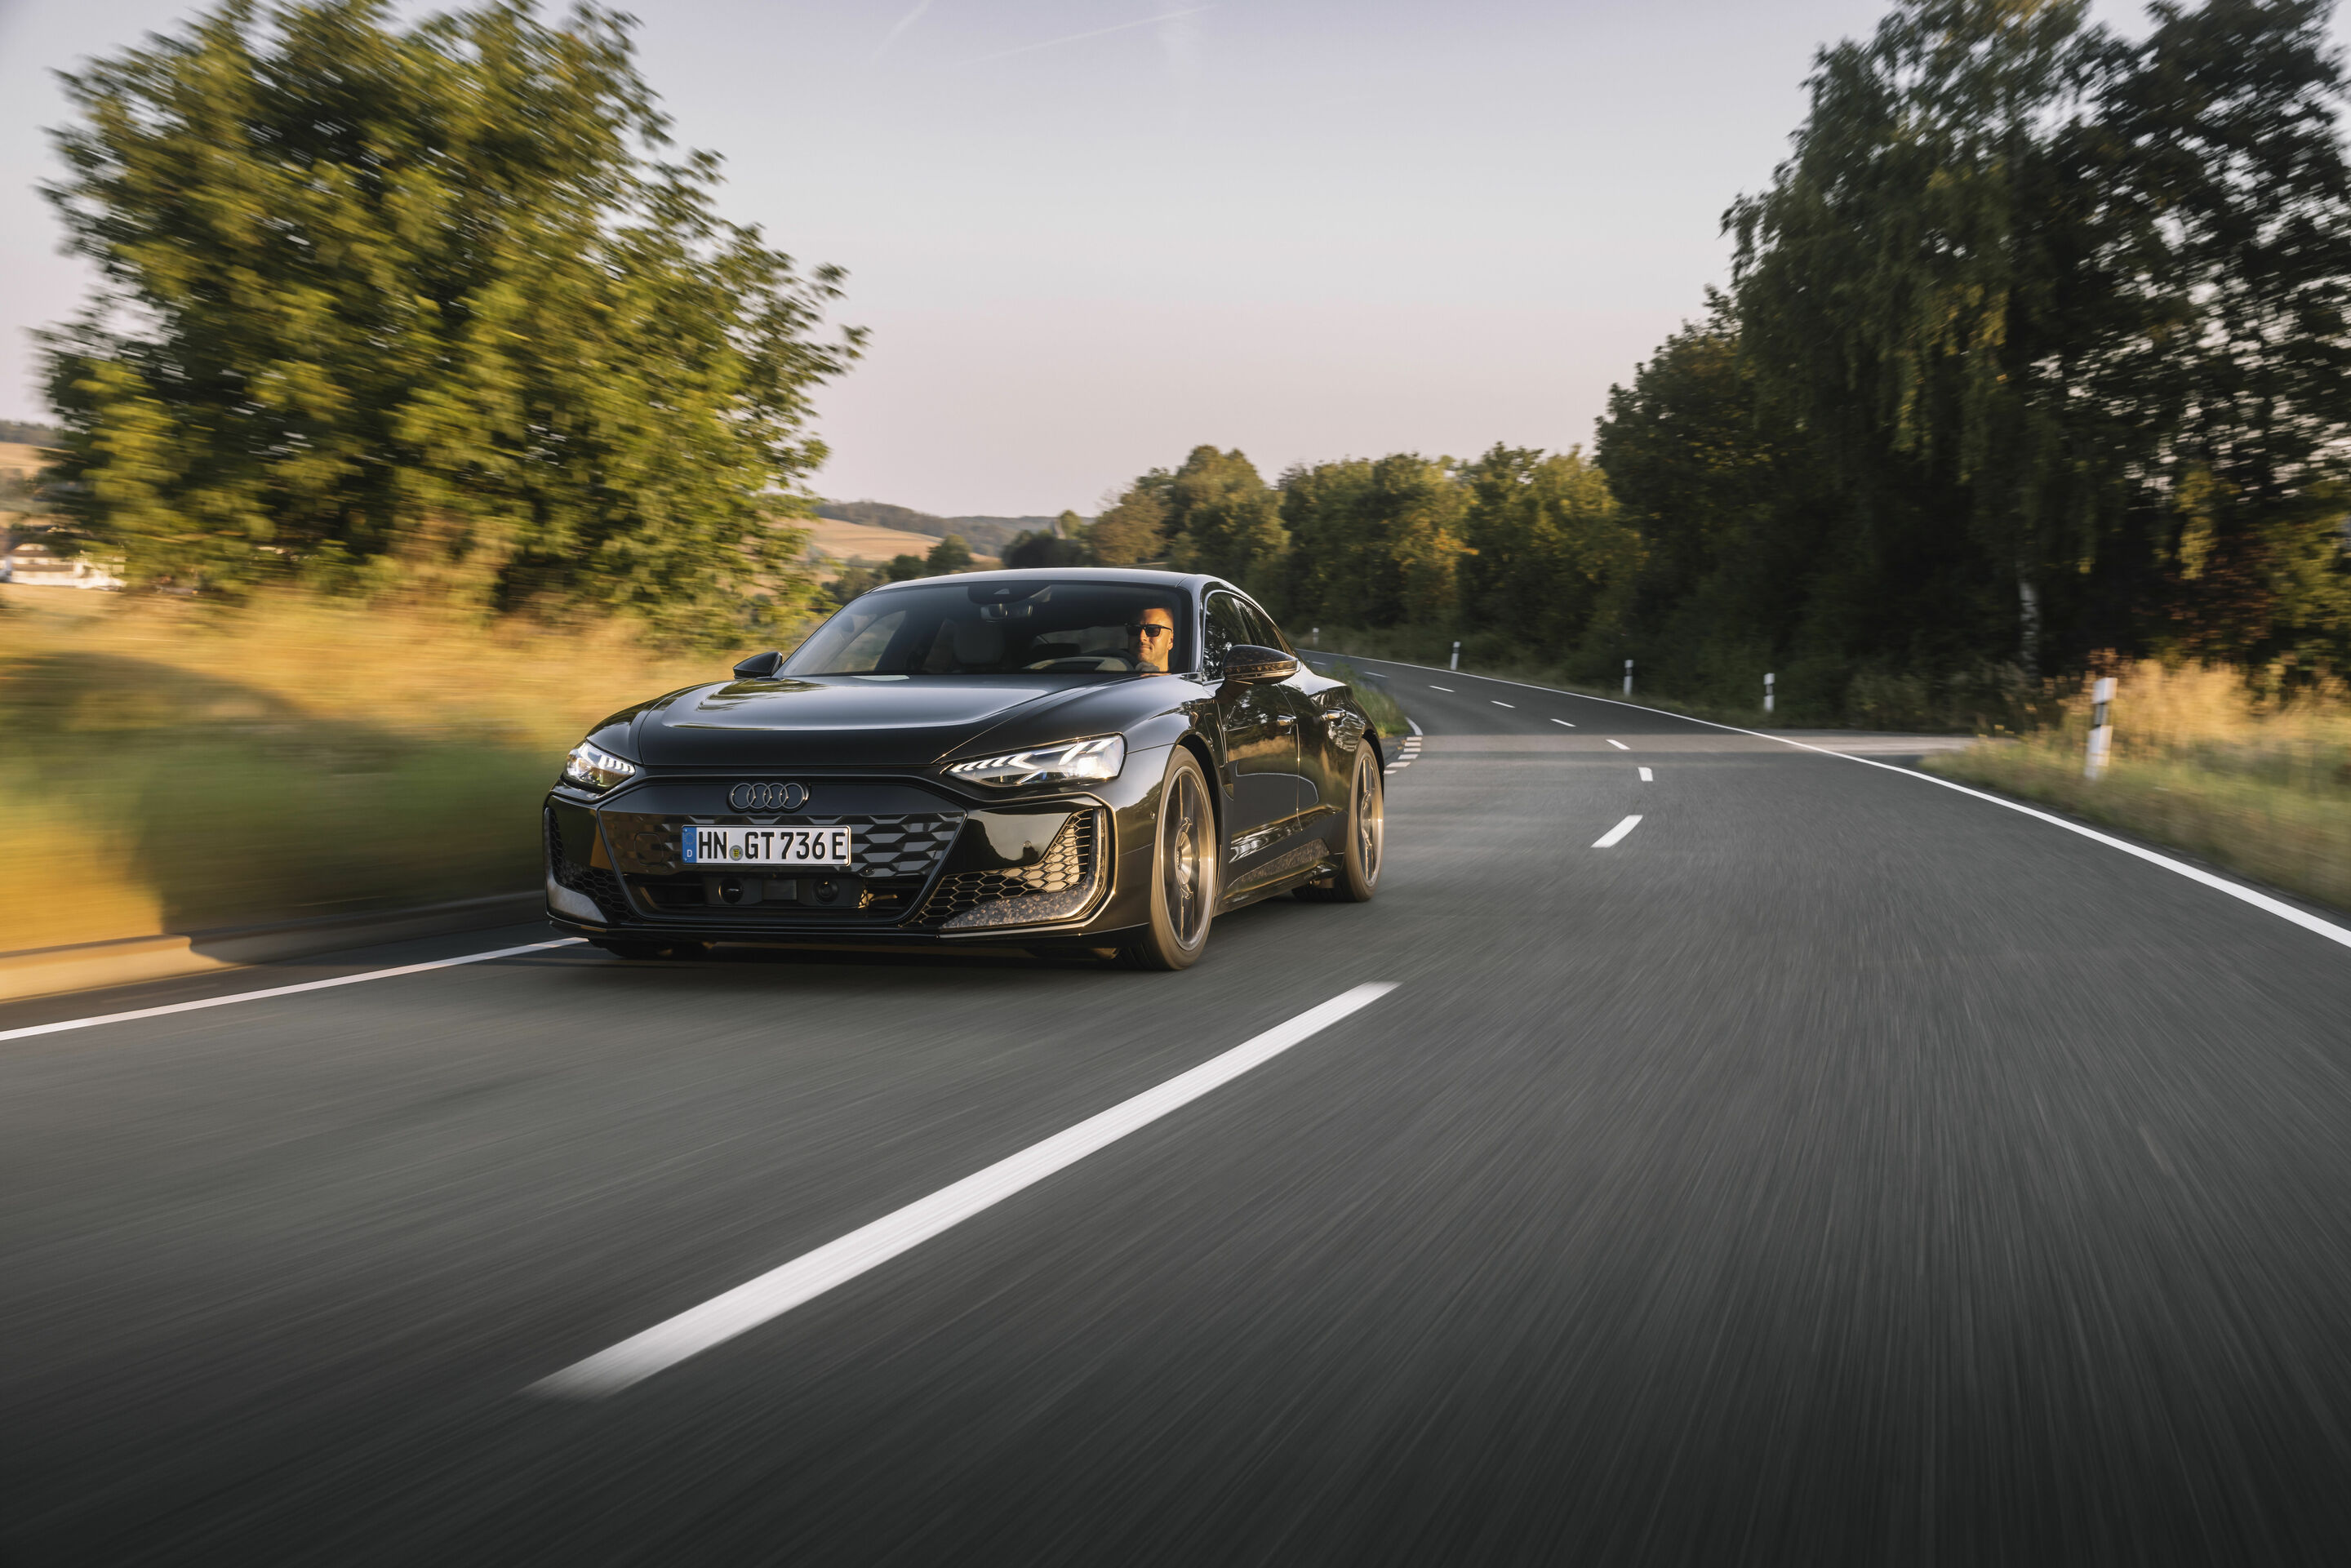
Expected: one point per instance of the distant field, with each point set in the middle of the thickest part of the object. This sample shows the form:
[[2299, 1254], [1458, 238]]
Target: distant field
[[17, 458], [862, 544]]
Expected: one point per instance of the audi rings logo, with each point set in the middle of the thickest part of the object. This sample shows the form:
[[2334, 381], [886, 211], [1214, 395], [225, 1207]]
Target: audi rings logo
[[767, 797]]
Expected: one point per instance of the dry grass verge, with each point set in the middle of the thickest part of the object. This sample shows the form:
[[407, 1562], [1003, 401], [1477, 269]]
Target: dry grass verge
[[2263, 789], [176, 767]]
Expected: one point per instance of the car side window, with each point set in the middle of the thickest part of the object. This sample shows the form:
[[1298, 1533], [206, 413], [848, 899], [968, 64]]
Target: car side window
[[1227, 625], [1262, 630]]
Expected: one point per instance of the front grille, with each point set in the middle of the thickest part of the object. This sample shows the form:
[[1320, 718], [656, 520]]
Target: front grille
[[896, 848], [895, 857], [600, 886], [1061, 883]]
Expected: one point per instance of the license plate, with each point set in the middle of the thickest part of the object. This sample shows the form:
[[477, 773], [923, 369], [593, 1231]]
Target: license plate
[[769, 846]]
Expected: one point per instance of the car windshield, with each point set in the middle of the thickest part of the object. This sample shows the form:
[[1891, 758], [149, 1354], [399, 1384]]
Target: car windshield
[[954, 628]]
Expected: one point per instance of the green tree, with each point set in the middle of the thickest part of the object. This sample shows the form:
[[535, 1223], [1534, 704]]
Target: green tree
[[1900, 288], [1222, 517], [852, 582], [1745, 561], [906, 568], [2064, 321], [418, 305], [1544, 543], [1373, 542], [2220, 368], [1064, 545], [1133, 527], [950, 554]]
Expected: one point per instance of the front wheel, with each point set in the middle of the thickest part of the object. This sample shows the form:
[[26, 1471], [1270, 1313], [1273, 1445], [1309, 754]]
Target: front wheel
[[1184, 860], [1365, 839]]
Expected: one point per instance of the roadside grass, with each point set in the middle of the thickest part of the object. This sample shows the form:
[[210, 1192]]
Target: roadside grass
[[175, 766], [2260, 787]]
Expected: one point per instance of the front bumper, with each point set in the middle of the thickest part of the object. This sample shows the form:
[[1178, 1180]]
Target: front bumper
[[935, 867]]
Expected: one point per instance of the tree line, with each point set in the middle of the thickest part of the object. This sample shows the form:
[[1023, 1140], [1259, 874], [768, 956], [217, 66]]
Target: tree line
[[2037, 351], [2034, 351]]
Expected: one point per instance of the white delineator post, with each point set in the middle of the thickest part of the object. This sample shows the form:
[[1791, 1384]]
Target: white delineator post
[[1767, 694], [2102, 731], [1456, 656], [1629, 677]]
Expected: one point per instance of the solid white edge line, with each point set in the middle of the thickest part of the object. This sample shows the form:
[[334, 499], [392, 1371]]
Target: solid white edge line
[[1620, 745], [1646, 777], [1615, 835], [2261, 900], [92, 1022], [811, 1275], [1411, 724]]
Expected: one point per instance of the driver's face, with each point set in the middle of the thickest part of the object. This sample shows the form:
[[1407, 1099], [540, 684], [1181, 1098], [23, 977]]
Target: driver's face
[[1154, 639]]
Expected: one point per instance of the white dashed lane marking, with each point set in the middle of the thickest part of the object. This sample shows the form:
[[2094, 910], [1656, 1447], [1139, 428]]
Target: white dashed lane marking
[[1615, 835], [235, 998], [1647, 776], [1620, 745], [1562, 724], [1499, 703], [811, 1275]]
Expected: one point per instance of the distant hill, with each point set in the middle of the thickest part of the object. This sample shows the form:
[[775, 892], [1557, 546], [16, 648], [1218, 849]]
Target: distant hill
[[19, 433], [862, 544], [985, 535]]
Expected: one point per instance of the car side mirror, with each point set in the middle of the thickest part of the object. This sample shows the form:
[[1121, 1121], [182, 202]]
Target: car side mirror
[[1248, 665], [760, 666]]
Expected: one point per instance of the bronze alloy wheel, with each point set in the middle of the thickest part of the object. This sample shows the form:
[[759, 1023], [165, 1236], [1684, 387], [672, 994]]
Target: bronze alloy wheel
[[1184, 873], [1359, 862], [1367, 825], [1362, 842]]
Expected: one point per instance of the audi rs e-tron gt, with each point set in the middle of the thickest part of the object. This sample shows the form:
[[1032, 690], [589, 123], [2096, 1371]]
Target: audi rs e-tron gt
[[1096, 759]]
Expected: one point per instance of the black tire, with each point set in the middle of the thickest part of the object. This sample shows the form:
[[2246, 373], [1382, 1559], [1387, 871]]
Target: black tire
[[1184, 857], [1364, 838]]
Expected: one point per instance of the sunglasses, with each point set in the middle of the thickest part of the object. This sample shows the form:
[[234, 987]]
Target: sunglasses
[[1152, 629]]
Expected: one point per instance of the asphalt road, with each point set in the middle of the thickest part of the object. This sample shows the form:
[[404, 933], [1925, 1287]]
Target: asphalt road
[[1834, 1169]]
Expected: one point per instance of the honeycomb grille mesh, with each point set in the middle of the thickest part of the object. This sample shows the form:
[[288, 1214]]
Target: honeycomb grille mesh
[[600, 886], [1060, 884]]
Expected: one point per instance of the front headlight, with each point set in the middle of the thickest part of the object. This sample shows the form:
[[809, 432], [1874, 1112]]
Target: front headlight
[[1066, 762], [593, 767]]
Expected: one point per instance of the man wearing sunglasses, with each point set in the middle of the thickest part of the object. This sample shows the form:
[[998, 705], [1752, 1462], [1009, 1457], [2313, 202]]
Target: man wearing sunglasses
[[1151, 640]]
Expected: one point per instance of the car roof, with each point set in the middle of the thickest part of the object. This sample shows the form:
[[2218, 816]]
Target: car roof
[[1139, 577]]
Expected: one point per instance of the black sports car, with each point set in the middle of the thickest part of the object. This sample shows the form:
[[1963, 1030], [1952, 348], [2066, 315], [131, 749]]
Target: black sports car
[[1091, 758]]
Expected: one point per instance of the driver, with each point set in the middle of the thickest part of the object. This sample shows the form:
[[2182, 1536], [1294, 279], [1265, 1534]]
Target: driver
[[1151, 640]]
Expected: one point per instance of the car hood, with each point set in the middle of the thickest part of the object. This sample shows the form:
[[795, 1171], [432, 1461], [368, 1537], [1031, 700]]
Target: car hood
[[836, 720]]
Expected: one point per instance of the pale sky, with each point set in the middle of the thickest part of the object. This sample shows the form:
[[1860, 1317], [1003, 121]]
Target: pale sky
[[1090, 235]]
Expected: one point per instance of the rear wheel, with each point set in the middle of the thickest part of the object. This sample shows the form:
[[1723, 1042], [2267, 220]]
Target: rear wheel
[[1182, 871], [1364, 838]]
